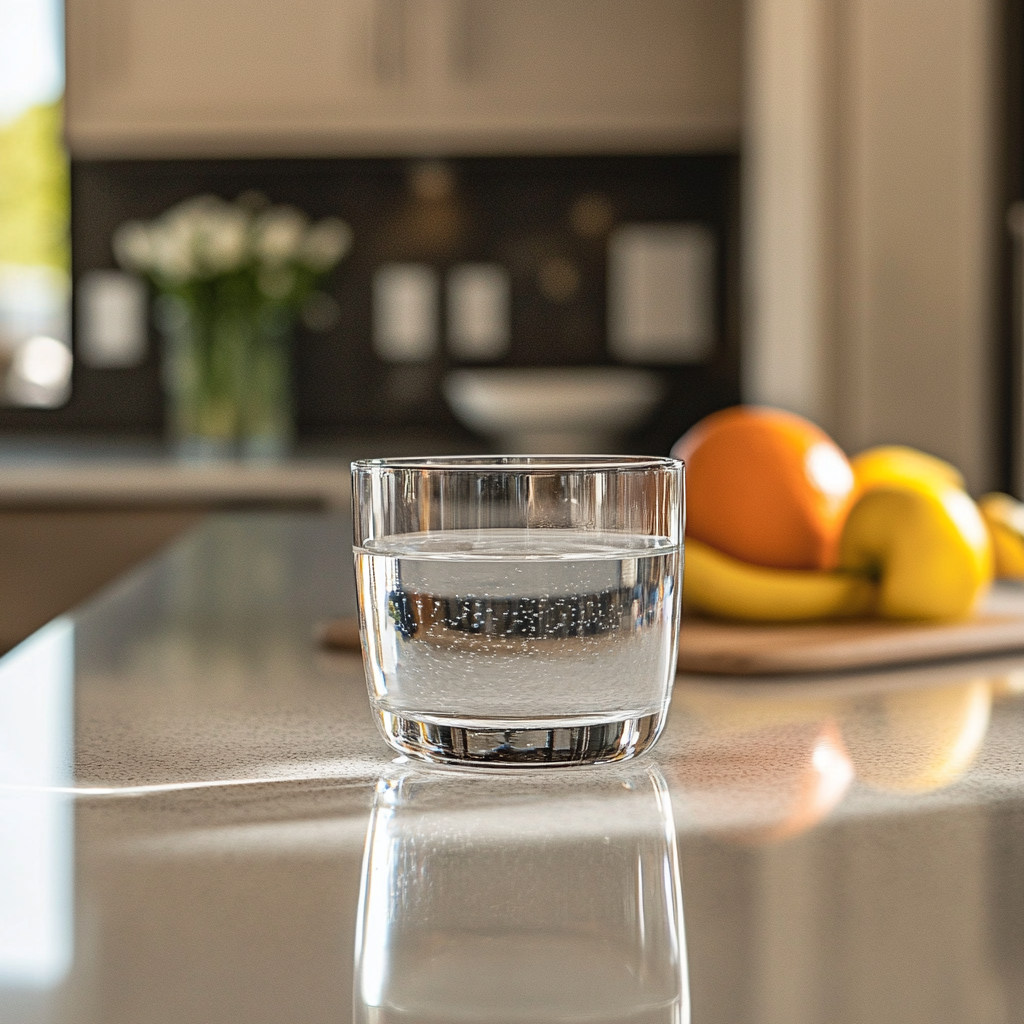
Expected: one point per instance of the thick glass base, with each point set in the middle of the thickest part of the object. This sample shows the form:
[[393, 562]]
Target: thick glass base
[[533, 745]]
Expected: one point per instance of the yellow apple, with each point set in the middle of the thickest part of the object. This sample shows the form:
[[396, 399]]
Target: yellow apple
[[928, 547], [896, 464], [1005, 518]]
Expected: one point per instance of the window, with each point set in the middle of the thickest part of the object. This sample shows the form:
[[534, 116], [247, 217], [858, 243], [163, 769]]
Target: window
[[35, 350]]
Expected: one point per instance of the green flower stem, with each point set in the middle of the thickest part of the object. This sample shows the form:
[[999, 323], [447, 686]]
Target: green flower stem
[[228, 371]]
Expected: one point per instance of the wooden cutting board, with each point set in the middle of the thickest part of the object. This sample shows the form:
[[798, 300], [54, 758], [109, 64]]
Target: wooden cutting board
[[730, 648]]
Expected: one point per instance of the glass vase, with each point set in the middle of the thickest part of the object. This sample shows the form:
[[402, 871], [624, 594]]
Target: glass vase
[[227, 377]]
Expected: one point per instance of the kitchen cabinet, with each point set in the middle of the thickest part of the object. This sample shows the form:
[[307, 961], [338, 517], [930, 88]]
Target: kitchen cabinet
[[74, 517], [53, 558], [339, 77]]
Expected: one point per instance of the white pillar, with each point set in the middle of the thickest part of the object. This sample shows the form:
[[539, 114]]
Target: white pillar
[[784, 182], [870, 220]]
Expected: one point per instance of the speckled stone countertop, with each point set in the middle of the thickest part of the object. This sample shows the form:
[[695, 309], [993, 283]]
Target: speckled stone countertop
[[199, 823]]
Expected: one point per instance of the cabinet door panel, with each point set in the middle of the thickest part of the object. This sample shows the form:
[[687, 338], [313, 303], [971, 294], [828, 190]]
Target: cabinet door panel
[[261, 77], [199, 56], [619, 66], [144, 70], [52, 559], [560, 54], [216, 57]]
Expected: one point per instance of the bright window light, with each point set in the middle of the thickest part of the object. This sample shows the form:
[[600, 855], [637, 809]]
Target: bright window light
[[35, 252]]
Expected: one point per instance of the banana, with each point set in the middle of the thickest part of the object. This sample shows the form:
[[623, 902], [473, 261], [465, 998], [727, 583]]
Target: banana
[[717, 584], [1004, 517]]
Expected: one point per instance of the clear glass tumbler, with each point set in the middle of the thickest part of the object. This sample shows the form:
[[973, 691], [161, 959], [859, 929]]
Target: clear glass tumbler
[[519, 610]]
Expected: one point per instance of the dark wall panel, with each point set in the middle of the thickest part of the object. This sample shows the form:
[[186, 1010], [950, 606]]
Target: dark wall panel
[[516, 211]]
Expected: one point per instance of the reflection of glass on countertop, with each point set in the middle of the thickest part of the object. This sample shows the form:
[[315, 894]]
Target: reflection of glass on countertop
[[545, 897]]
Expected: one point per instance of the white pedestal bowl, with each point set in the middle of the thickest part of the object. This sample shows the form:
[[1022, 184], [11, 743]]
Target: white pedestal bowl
[[565, 410]]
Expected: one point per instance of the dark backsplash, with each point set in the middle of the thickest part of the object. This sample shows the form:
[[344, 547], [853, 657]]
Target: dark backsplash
[[512, 211]]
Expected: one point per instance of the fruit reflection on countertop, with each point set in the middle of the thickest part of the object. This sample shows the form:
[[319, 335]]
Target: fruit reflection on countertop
[[765, 785], [915, 741], [781, 527], [763, 765], [758, 768]]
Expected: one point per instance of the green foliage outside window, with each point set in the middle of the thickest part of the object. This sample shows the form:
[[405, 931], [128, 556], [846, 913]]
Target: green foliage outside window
[[34, 190]]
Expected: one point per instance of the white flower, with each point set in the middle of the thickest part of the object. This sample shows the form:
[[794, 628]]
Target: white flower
[[279, 233], [186, 219], [173, 247], [222, 241], [133, 248], [325, 243], [205, 237]]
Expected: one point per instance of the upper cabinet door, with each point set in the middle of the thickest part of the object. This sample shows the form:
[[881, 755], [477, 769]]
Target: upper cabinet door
[[596, 74], [308, 77]]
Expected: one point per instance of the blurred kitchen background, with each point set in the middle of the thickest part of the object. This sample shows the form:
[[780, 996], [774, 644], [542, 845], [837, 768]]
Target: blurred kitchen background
[[576, 225]]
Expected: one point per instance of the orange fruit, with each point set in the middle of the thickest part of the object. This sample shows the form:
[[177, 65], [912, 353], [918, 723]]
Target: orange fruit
[[766, 486]]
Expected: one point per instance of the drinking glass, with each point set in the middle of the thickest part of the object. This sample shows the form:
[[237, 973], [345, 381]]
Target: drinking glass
[[544, 897], [519, 610]]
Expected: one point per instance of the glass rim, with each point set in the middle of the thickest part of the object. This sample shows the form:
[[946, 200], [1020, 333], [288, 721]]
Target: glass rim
[[525, 463]]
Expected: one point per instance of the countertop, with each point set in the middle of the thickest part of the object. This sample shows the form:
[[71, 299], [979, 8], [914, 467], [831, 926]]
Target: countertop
[[200, 823]]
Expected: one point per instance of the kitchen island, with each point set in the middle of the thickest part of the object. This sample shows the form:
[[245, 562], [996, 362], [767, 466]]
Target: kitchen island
[[196, 813]]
